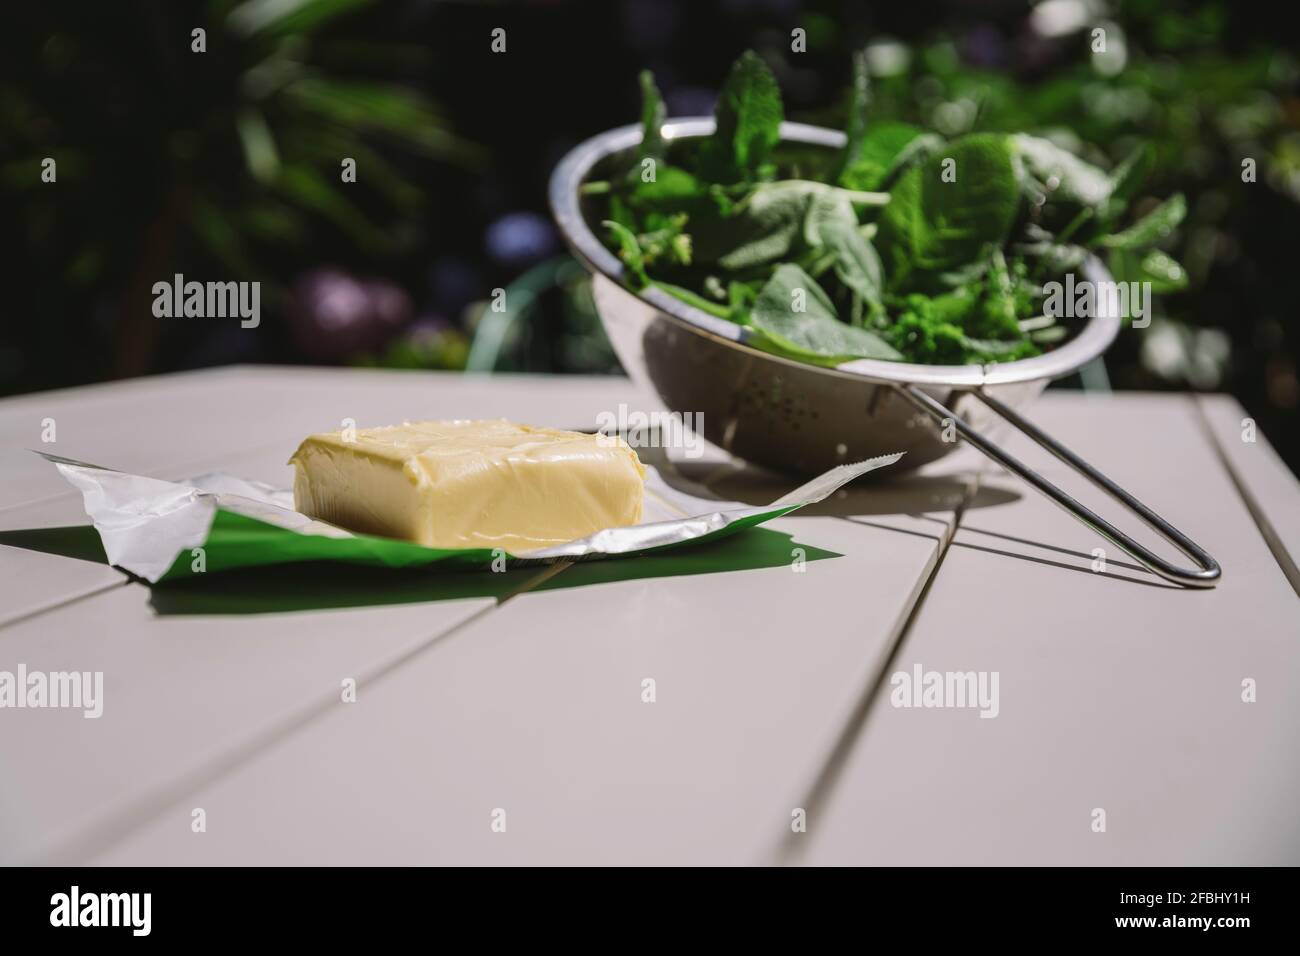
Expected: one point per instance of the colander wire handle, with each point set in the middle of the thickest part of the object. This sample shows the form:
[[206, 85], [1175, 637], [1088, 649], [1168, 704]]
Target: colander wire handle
[[1207, 575]]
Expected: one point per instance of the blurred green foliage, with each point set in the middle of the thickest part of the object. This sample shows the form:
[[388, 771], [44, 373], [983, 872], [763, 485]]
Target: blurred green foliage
[[226, 158], [226, 164]]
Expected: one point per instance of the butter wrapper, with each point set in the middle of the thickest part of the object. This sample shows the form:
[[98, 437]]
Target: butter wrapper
[[166, 530]]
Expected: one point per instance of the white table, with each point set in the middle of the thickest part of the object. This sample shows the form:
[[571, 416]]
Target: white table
[[522, 691]]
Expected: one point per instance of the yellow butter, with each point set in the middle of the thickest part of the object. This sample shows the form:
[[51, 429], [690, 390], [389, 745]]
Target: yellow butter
[[463, 484]]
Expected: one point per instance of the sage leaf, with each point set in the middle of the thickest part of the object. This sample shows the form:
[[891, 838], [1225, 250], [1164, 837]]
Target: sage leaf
[[1152, 227], [748, 117], [762, 229], [855, 128], [826, 207], [797, 318], [653, 114], [1063, 175], [884, 150], [856, 263], [933, 225], [1054, 258]]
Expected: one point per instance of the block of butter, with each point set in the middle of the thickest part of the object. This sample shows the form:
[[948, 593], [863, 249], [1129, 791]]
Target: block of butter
[[469, 484]]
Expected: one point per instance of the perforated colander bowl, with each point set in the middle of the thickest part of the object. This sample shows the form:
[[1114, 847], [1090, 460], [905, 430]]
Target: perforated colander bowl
[[804, 419]]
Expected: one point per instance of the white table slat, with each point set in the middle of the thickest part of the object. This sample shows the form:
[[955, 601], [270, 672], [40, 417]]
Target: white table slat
[[32, 580], [1270, 489], [537, 709], [185, 691], [1115, 692]]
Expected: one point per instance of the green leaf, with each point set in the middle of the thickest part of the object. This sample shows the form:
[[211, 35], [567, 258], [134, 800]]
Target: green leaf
[[748, 115], [856, 263], [933, 226], [826, 207], [653, 114], [740, 298], [1000, 304], [306, 187], [323, 147], [668, 241], [1125, 181], [855, 127], [1158, 268], [1048, 336], [621, 213], [279, 18], [883, 151], [796, 318], [629, 250], [672, 188], [928, 341], [762, 229], [995, 349], [1151, 228], [273, 221], [259, 145], [965, 279], [691, 298], [392, 110], [1063, 176], [774, 222], [1164, 272], [1053, 258]]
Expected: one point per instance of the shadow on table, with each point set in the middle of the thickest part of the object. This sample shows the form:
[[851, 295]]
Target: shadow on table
[[74, 541], [320, 585], [324, 585], [1083, 563], [874, 494]]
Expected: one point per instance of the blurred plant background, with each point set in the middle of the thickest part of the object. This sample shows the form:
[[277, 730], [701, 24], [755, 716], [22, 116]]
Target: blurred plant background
[[226, 165]]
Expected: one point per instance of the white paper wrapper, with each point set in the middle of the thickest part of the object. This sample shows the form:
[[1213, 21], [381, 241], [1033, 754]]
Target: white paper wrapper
[[146, 524]]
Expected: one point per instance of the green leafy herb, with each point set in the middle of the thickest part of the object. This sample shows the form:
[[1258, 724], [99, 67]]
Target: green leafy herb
[[856, 263], [748, 115], [629, 250], [1151, 228], [1062, 176], [795, 314], [653, 114], [882, 151], [1125, 181], [691, 298], [948, 210], [803, 248], [1153, 266], [855, 128]]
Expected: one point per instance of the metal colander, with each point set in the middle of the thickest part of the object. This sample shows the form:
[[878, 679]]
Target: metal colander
[[803, 419]]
